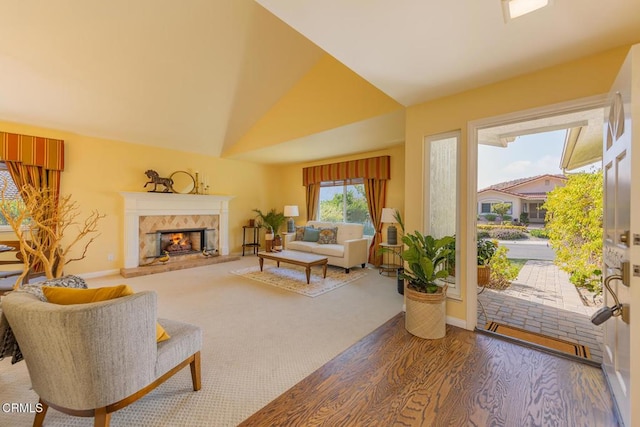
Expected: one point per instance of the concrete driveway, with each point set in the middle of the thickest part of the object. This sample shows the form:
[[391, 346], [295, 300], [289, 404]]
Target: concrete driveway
[[528, 249]]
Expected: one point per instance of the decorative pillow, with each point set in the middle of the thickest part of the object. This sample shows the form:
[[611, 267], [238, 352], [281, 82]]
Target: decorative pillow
[[311, 234], [67, 296], [328, 236], [299, 232], [8, 343], [70, 281]]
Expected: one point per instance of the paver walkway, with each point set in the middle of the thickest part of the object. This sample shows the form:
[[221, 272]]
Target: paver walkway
[[543, 300]]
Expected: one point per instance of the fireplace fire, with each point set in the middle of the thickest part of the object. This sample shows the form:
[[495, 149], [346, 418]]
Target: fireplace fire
[[181, 242], [178, 242]]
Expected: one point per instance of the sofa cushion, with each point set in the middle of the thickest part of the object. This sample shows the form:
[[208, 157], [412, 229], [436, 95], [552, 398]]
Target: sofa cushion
[[329, 250], [299, 232], [328, 235], [68, 296], [311, 234], [301, 246], [346, 230]]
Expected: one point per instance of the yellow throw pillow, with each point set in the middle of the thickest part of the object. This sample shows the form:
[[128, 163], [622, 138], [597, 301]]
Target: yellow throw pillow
[[66, 296]]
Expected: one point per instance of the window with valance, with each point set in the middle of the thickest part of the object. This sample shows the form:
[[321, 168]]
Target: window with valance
[[371, 173]]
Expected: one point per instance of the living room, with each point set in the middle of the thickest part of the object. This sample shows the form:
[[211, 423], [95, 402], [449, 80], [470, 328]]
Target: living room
[[101, 161]]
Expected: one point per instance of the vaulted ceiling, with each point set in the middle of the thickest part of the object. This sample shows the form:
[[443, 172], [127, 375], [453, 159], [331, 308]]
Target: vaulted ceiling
[[275, 80]]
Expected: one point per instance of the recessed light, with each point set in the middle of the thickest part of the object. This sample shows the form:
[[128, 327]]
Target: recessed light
[[515, 8]]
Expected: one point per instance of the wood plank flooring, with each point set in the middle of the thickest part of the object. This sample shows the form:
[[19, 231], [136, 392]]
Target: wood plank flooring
[[465, 379]]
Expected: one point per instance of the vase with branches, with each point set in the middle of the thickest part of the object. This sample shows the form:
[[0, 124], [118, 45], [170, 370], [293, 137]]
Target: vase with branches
[[49, 229]]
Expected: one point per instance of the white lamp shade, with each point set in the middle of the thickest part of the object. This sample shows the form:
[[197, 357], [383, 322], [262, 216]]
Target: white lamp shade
[[291, 210], [388, 216]]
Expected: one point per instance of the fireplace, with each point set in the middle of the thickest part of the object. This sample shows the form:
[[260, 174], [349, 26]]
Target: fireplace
[[180, 242], [146, 214]]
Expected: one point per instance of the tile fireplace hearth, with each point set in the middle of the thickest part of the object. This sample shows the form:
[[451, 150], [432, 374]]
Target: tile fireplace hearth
[[147, 214]]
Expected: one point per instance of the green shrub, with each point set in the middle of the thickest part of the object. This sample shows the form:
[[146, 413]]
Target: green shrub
[[507, 217], [489, 227], [483, 234], [490, 217], [574, 225], [539, 233], [502, 271], [524, 218], [507, 234]]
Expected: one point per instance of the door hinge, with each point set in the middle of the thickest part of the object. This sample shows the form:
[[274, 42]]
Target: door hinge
[[636, 239]]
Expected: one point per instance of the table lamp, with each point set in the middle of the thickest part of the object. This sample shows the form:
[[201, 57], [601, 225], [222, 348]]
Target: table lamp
[[291, 211], [389, 217]]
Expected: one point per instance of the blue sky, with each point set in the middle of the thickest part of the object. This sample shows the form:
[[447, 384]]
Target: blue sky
[[528, 155]]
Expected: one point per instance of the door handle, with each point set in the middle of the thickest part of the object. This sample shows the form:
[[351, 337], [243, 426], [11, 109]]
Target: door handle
[[605, 313], [624, 238]]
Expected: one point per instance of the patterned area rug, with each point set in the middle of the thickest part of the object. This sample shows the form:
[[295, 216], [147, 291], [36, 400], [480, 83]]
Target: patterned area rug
[[293, 278]]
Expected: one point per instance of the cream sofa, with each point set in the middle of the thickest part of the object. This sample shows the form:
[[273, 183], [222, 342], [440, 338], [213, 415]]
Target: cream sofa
[[352, 249]]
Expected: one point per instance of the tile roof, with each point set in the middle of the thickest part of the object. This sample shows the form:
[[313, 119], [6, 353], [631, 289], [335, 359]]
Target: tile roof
[[11, 192], [505, 186]]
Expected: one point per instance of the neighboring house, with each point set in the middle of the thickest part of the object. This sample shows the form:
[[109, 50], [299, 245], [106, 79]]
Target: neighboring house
[[524, 194]]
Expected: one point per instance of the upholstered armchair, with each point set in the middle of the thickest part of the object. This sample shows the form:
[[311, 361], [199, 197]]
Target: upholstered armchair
[[92, 359]]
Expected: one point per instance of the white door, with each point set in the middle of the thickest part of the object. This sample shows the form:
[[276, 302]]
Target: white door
[[621, 165]]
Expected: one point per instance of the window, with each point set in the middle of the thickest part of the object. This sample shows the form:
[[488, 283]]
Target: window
[[441, 193], [486, 208], [342, 201], [11, 193]]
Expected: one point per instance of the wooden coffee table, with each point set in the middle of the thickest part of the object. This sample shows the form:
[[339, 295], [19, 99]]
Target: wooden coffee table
[[304, 259]]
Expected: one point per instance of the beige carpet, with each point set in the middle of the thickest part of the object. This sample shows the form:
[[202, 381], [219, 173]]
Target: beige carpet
[[294, 278], [258, 342]]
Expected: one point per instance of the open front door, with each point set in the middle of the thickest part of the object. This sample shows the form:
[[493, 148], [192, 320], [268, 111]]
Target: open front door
[[621, 166]]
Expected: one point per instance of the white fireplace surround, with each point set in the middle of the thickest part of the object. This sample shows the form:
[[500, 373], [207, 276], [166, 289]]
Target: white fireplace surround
[[150, 204]]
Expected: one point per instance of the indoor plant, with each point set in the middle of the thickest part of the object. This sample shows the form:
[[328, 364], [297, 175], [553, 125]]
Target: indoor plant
[[271, 222], [425, 262]]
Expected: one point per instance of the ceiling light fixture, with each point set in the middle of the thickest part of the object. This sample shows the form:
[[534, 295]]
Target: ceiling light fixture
[[515, 8]]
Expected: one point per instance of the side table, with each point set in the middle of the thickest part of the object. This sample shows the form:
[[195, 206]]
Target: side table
[[254, 235], [391, 259]]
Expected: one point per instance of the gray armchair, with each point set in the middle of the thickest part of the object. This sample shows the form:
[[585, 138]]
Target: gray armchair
[[90, 360]]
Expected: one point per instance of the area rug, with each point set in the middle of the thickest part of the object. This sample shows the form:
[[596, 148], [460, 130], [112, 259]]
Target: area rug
[[539, 339], [293, 278]]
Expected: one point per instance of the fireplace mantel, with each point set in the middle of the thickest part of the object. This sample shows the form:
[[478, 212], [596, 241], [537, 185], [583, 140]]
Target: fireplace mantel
[[149, 204]]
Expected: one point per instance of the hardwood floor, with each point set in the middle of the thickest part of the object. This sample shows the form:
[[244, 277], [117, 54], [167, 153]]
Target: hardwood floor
[[465, 379]]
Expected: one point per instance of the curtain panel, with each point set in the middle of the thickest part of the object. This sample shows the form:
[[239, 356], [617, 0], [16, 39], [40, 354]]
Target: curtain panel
[[371, 168], [37, 162]]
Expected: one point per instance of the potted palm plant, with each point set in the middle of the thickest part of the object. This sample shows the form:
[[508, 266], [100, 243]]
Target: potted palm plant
[[425, 263], [271, 221]]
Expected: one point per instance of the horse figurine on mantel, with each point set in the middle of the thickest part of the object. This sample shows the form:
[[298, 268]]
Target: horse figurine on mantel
[[156, 180]]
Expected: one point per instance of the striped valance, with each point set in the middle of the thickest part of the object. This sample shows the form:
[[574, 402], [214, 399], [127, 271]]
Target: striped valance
[[371, 168], [32, 150]]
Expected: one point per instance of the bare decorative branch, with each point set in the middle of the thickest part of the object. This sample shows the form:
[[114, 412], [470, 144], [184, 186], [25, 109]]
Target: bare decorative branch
[[41, 222]]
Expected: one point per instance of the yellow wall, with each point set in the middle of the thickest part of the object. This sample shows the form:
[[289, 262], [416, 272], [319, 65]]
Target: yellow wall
[[573, 80], [96, 170], [329, 96], [293, 193]]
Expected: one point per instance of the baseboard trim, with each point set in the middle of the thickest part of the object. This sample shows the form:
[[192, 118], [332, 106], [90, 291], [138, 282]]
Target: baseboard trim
[[95, 274], [454, 321]]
